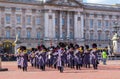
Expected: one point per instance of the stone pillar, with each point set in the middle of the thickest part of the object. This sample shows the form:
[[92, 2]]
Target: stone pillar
[[75, 26], [46, 24], [50, 24], [53, 25], [78, 28], [82, 25], [68, 25], [60, 25]]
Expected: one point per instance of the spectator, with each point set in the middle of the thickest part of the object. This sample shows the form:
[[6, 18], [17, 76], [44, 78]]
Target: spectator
[[104, 57]]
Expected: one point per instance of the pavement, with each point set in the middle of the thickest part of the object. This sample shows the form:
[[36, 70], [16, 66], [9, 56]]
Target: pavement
[[109, 71]]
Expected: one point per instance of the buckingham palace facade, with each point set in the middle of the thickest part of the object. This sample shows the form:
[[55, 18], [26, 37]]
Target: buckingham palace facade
[[40, 22]]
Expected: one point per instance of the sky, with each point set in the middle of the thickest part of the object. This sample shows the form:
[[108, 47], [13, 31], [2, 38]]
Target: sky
[[103, 1]]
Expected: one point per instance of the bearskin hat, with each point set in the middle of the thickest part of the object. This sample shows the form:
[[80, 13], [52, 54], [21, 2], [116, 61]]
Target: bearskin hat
[[82, 47], [61, 44], [76, 46], [87, 46], [94, 45], [39, 47], [22, 47]]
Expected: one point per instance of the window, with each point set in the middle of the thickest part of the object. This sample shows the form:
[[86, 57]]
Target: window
[[70, 21], [63, 21], [91, 36], [18, 9], [106, 23], [19, 33], [28, 20], [28, 34], [63, 36], [19, 19], [38, 20], [91, 23], [99, 23], [38, 35], [7, 34], [71, 35], [8, 8], [57, 35], [55, 21], [8, 19], [99, 36]]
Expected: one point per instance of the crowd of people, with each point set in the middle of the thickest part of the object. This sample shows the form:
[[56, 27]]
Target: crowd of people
[[63, 55]]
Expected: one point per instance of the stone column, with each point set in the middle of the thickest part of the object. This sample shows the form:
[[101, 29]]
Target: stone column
[[46, 24], [60, 25], [82, 25], [53, 24], [75, 26], [68, 25]]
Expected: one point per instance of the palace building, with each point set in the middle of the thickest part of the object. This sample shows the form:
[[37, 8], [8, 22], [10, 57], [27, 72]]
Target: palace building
[[49, 22]]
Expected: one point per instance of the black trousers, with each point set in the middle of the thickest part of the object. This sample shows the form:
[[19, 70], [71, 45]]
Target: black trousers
[[78, 66], [60, 68], [42, 68], [24, 68]]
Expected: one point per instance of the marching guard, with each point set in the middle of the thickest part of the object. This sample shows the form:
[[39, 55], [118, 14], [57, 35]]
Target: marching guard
[[94, 56]]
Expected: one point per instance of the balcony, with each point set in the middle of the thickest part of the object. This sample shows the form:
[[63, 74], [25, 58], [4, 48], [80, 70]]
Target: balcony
[[12, 39]]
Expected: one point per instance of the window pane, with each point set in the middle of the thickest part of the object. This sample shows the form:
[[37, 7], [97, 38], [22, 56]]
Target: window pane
[[38, 35], [99, 36], [63, 21], [99, 23], [71, 35], [28, 20], [28, 34], [19, 33], [91, 23], [106, 23], [8, 19], [38, 21], [63, 36], [57, 35], [7, 34], [55, 21], [18, 19], [91, 36]]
